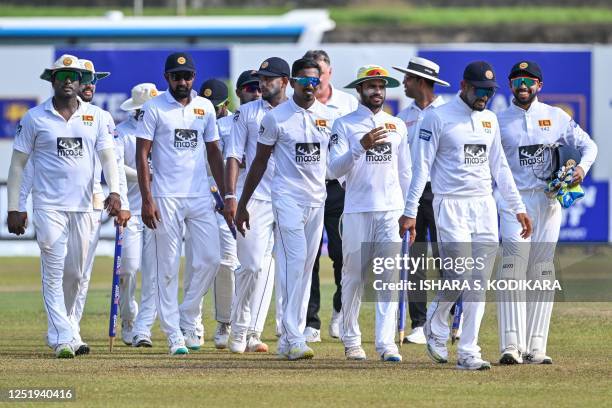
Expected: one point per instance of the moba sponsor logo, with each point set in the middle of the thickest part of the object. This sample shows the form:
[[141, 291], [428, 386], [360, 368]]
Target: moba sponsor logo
[[531, 154], [185, 138], [308, 153], [381, 153], [425, 135], [475, 154], [70, 146]]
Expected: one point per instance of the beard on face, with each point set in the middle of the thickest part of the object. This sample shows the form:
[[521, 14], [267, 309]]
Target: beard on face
[[367, 97], [270, 91], [181, 92], [531, 96], [86, 97]]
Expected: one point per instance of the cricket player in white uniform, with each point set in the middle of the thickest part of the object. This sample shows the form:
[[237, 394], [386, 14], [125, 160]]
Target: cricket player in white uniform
[[137, 239], [256, 271], [460, 143], [62, 135], [174, 127], [526, 126], [298, 130], [370, 148], [419, 78]]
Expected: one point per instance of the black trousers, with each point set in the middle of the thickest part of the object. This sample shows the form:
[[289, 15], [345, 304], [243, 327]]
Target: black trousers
[[334, 206], [424, 222]]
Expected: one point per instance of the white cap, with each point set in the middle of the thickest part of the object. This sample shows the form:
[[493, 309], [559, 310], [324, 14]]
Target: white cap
[[140, 94], [65, 62], [423, 68], [88, 65]]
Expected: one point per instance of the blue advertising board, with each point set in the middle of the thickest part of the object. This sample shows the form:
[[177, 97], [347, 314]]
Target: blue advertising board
[[12, 110]]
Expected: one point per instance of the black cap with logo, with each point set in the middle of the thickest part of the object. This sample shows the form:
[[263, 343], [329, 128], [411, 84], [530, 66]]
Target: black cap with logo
[[214, 90], [526, 68], [480, 74], [179, 61], [247, 77], [274, 67]]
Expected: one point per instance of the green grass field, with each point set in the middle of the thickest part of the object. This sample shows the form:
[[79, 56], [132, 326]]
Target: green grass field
[[579, 344]]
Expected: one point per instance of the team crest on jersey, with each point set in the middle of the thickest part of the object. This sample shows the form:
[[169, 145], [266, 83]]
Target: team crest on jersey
[[380, 154], [236, 116], [321, 124], [308, 153], [185, 138], [390, 127], [425, 135], [199, 113], [70, 147], [475, 154], [486, 126], [531, 154], [88, 120], [545, 124], [18, 130]]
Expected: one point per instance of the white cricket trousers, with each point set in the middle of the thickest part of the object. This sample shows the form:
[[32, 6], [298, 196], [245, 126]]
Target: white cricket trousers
[[255, 275], [135, 237], [196, 215], [298, 236], [63, 239], [524, 318], [376, 233], [467, 228]]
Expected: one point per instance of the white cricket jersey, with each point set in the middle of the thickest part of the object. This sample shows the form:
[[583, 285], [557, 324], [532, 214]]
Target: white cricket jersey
[[63, 154], [300, 138], [178, 134], [225, 125], [523, 132], [242, 143], [126, 139], [376, 179], [462, 149], [341, 102]]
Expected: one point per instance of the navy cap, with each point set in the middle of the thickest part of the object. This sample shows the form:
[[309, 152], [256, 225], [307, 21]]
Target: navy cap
[[214, 90], [527, 68], [247, 77], [179, 61], [274, 67], [480, 74]]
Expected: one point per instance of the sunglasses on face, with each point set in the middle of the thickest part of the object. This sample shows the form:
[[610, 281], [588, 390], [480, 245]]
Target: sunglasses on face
[[482, 92], [89, 79], [529, 82], [182, 75], [62, 76], [251, 88], [306, 81]]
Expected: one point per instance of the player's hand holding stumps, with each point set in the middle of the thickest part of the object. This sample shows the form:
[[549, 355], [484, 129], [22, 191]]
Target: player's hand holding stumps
[[242, 219], [17, 222], [123, 217], [150, 214], [374, 137], [112, 204], [407, 224], [525, 222]]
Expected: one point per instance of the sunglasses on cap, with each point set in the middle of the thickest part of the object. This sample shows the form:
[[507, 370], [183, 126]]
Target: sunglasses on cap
[[62, 76], [482, 92], [185, 75], [529, 82], [251, 88], [306, 81]]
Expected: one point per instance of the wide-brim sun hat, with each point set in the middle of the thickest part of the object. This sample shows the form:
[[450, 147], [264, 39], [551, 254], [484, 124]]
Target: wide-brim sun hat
[[423, 68], [369, 72], [141, 93], [66, 62]]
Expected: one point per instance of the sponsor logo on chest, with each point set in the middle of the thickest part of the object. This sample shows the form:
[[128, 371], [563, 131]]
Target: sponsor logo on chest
[[308, 153], [531, 154], [380, 154], [475, 154], [425, 135], [185, 138], [70, 147]]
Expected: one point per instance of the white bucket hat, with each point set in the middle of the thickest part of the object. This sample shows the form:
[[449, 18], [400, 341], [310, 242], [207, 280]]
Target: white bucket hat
[[423, 68], [140, 94], [65, 62], [88, 65]]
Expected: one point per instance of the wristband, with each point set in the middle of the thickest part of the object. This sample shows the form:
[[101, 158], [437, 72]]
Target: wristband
[[228, 196]]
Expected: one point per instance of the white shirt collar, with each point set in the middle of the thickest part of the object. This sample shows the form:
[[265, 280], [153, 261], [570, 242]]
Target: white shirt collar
[[532, 107]]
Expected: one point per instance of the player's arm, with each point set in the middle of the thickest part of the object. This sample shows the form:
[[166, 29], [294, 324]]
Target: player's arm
[[576, 137], [426, 143], [144, 142], [500, 170], [26, 186], [404, 164], [16, 220], [124, 214], [215, 161], [234, 152]]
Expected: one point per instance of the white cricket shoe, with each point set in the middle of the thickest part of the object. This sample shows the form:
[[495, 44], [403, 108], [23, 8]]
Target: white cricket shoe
[[416, 336], [511, 356], [222, 335], [237, 341], [473, 363], [436, 349], [142, 340], [355, 353], [126, 331], [192, 340], [391, 356], [282, 351], [300, 351], [312, 335], [64, 351], [177, 346], [537, 357], [334, 324], [255, 345]]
